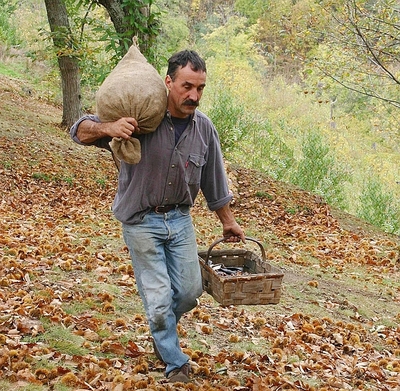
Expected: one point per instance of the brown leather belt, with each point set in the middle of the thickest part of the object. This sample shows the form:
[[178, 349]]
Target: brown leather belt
[[164, 208]]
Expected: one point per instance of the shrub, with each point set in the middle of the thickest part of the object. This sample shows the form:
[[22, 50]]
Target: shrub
[[318, 171], [270, 153], [379, 207], [226, 114], [8, 31]]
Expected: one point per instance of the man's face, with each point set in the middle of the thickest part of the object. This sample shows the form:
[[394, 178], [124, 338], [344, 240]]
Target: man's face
[[185, 91]]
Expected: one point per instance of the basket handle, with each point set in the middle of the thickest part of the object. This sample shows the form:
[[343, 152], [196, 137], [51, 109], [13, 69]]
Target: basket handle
[[224, 239]]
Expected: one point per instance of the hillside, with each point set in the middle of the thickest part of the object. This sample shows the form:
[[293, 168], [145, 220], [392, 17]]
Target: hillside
[[70, 315]]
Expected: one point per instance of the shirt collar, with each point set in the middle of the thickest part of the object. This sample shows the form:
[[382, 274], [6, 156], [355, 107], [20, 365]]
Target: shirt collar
[[193, 116]]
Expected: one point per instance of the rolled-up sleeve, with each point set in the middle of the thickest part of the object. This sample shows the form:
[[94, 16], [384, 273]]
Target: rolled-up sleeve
[[214, 182], [100, 143]]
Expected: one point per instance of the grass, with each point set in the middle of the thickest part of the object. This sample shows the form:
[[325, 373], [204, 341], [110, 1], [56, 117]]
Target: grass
[[76, 308], [7, 386], [13, 70], [263, 194], [60, 339]]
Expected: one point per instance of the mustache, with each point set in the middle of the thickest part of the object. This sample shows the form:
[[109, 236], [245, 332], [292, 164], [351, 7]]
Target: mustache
[[191, 102]]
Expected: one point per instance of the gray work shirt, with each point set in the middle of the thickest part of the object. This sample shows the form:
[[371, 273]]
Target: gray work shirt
[[169, 173]]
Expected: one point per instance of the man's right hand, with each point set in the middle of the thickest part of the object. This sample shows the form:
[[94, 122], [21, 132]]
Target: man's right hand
[[124, 127]]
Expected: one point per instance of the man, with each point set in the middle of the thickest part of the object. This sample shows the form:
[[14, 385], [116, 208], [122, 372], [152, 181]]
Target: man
[[154, 197]]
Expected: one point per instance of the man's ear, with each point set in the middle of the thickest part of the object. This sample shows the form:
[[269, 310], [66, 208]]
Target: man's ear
[[168, 81]]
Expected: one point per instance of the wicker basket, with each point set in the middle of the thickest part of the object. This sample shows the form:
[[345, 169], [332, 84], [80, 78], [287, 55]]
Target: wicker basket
[[260, 282]]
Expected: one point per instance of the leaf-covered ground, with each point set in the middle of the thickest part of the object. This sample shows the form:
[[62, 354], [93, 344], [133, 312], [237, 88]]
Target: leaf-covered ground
[[70, 316]]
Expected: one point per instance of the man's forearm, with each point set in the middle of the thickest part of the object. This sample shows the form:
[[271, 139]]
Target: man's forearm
[[90, 131], [231, 229], [225, 215]]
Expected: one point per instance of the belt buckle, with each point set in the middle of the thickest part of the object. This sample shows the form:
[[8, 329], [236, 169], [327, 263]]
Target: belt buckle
[[157, 209], [164, 208]]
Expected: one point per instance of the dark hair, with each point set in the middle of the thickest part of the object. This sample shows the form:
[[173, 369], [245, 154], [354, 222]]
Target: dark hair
[[181, 59]]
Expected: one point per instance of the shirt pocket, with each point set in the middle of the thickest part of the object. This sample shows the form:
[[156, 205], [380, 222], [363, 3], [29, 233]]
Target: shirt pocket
[[194, 164]]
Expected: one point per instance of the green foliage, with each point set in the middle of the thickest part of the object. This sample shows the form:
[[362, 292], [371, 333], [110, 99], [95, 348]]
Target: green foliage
[[208, 14], [247, 137], [263, 149], [379, 207], [94, 30], [8, 6], [231, 40], [284, 34], [8, 30], [145, 25], [227, 116], [103, 44], [252, 9], [318, 172], [360, 48], [174, 33], [270, 153]]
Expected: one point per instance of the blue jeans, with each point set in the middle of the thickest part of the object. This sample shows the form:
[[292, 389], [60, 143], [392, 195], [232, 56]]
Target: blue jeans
[[167, 272]]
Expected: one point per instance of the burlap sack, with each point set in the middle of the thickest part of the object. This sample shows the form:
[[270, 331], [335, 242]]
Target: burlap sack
[[127, 150], [133, 89]]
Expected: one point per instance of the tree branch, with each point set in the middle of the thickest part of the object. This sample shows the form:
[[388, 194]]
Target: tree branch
[[374, 95]]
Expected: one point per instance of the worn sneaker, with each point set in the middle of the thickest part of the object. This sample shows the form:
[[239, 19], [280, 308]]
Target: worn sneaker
[[180, 375]]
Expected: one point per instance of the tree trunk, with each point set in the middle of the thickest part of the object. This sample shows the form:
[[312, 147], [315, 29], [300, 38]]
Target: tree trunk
[[67, 62], [118, 17]]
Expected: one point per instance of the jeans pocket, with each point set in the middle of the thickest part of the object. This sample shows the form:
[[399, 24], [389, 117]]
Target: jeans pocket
[[184, 210]]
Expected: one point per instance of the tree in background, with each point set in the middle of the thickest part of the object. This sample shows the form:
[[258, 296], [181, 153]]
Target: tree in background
[[284, 34], [7, 31], [68, 63], [130, 19], [361, 49]]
